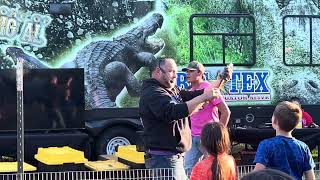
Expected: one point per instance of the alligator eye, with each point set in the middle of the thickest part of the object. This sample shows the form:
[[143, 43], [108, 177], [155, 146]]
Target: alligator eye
[[291, 83], [313, 84]]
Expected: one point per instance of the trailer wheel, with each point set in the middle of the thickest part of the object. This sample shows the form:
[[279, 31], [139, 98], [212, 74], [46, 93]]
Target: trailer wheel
[[114, 137], [254, 146]]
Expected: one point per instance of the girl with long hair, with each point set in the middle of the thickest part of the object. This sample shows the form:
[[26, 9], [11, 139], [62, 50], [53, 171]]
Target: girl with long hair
[[218, 165]]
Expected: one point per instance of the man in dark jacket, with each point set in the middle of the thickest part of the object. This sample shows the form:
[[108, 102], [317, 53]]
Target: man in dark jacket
[[164, 110]]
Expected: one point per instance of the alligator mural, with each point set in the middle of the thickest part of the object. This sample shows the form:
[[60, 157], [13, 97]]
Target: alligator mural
[[286, 81], [110, 65]]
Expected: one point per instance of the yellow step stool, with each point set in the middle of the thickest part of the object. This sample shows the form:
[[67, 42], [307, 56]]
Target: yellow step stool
[[105, 165], [130, 156], [60, 155], [60, 159], [10, 167]]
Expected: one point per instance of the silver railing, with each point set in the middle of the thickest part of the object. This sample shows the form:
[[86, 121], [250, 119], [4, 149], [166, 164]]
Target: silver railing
[[132, 174]]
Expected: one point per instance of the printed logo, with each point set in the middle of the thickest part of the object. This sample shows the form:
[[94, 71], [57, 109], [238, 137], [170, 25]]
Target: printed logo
[[25, 27], [249, 86], [246, 85]]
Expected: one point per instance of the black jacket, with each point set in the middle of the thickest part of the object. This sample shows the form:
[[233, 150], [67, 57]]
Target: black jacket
[[164, 115]]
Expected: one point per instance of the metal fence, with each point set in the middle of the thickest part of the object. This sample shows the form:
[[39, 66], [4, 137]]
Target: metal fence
[[243, 170], [133, 174]]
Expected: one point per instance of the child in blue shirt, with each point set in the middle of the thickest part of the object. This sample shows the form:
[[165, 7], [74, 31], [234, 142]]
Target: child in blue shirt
[[284, 152]]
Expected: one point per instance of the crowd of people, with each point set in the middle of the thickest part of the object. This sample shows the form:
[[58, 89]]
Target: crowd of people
[[186, 130]]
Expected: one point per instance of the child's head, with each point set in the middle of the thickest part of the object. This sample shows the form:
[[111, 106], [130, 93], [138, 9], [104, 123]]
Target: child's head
[[267, 174], [286, 116], [296, 101], [215, 138]]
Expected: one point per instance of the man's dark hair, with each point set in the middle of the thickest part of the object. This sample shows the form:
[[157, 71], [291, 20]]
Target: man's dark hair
[[157, 62], [267, 174], [288, 115]]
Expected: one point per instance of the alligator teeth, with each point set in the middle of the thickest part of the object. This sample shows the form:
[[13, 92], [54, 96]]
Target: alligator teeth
[[153, 39], [9, 58]]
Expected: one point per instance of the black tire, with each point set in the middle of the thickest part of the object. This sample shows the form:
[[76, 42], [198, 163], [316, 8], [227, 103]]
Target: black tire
[[88, 150], [113, 137]]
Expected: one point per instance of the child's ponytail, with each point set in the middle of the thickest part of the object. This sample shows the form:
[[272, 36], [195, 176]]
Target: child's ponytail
[[216, 169]]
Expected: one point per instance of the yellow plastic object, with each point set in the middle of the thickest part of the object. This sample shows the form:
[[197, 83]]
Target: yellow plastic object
[[60, 155], [127, 147], [130, 154], [9, 167], [105, 165]]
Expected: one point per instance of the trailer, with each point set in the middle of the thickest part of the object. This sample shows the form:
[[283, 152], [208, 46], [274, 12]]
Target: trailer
[[99, 52]]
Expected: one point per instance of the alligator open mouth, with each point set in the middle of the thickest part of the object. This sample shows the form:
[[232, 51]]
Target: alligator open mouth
[[150, 26], [154, 44], [143, 36]]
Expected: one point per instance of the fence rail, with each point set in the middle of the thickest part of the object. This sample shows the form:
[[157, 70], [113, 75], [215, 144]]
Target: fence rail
[[134, 174], [245, 169]]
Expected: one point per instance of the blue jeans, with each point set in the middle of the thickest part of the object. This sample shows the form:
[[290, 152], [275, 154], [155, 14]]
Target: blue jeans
[[193, 155], [166, 161]]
